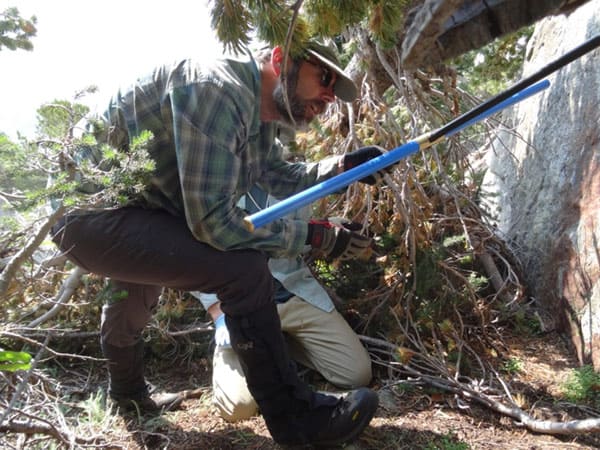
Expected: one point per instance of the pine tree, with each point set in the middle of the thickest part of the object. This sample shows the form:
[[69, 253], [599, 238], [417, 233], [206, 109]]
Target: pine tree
[[15, 31]]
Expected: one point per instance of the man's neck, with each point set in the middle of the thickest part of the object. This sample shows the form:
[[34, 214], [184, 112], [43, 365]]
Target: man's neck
[[268, 81]]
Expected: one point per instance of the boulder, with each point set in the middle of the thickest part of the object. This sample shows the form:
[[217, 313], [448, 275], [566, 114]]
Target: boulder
[[544, 174]]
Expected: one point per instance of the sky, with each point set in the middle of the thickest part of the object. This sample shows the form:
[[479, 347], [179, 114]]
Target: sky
[[106, 43]]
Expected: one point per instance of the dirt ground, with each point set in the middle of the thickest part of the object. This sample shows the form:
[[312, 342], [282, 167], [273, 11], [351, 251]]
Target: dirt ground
[[403, 421]]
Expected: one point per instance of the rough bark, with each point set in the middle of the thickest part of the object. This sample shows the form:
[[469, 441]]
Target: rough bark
[[546, 173]]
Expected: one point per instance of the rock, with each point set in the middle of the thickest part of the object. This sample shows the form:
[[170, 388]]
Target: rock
[[545, 174]]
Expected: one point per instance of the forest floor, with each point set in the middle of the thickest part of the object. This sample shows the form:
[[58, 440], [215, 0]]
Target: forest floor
[[409, 419]]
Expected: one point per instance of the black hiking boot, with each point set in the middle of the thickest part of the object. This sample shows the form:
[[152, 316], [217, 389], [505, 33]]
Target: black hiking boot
[[326, 426], [127, 386], [150, 402], [294, 414]]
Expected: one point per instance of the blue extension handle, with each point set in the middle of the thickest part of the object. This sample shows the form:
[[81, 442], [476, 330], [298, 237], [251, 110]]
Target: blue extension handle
[[342, 180]]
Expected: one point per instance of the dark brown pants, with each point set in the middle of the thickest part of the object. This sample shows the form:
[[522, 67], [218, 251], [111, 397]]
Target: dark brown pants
[[143, 250]]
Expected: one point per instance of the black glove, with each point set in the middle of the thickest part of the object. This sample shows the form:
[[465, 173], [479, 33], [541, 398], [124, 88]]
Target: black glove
[[332, 241], [362, 155]]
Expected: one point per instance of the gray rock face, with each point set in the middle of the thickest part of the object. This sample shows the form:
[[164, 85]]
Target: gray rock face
[[545, 174]]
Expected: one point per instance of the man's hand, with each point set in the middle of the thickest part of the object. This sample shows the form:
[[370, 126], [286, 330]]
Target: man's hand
[[361, 156], [337, 241], [222, 338]]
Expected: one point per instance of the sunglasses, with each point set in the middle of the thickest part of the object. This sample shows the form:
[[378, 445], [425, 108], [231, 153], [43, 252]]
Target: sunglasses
[[327, 75]]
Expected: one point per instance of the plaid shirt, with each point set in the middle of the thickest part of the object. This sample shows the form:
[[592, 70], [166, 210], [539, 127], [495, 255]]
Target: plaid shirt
[[210, 147]]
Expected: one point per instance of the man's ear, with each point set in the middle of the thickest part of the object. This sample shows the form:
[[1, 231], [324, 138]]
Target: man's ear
[[277, 60]]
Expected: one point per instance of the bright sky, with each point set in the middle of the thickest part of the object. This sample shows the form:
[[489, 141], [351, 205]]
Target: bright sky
[[105, 43]]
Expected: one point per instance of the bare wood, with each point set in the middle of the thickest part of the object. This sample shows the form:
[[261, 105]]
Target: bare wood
[[19, 258], [66, 291], [468, 393]]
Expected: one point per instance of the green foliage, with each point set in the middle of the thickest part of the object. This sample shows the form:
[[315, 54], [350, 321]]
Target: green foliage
[[18, 172], [512, 366], [524, 321], [349, 279], [489, 69], [86, 173], [58, 119], [447, 442], [583, 386], [95, 410], [11, 361], [331, 17], [15, 31], [235, 21], [385, 21]]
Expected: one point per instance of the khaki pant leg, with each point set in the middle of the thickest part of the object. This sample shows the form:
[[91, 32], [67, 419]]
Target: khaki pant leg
[[230, 392], [325, 342], [317, 339]]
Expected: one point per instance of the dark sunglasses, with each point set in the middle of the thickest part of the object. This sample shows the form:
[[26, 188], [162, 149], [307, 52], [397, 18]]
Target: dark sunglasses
[[326, 74]]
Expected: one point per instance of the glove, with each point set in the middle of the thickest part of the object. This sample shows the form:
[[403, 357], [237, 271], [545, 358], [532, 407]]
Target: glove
[[222, 338], [362, 155], [336, 241]]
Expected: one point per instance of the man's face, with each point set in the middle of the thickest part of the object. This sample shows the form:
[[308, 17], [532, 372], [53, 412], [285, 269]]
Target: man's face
[[310, 89]]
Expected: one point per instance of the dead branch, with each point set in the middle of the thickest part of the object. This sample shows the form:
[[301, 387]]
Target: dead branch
[[19, 258], [37, 425], [473, 393], [67, 289], [24, 382], [44, 346]]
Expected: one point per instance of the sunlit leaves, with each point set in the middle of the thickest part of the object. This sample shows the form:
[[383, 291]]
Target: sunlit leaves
[[15, 31], [11, 361]]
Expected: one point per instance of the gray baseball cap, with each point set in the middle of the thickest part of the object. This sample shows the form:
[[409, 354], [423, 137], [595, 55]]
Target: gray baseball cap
[[344, 87]]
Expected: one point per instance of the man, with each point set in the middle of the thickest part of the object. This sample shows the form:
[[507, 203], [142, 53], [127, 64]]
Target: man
[[316, 334], [213, 128]]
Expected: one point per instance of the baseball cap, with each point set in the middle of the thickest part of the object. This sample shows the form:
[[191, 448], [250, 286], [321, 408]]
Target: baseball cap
[[344, 87]]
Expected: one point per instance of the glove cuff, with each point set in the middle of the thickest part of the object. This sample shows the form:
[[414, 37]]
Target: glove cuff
[[316, 232], [220, 321]]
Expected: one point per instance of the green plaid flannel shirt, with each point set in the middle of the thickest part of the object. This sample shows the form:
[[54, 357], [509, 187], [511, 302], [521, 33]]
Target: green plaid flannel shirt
[[210, 147]]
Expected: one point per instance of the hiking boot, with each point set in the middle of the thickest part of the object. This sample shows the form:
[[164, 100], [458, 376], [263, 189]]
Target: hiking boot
[[349, 418], [293, 412], [150, 403], [127, 385], [328, 426]]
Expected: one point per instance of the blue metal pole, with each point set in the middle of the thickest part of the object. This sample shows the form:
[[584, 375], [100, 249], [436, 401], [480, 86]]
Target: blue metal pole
[[374, 165]]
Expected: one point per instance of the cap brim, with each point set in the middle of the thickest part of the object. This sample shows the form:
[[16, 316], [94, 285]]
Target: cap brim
[[344, 88]]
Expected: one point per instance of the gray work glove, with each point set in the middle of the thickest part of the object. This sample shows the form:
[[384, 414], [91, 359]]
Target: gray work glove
[[334, 239]]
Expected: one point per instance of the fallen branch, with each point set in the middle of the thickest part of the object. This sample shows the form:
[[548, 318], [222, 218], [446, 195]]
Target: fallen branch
[[19, 258], [467, 393], [45, 347], [40, 426], [67, 289], [23, 384]]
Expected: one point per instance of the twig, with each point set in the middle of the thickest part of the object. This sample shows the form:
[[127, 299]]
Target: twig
[[44, 346], [41, 426], [23, 384], [19, 258], [67, 289], [467, 393]]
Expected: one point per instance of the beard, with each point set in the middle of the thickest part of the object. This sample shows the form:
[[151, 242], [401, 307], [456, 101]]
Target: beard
[[295, 117]]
